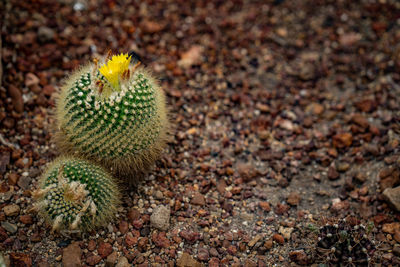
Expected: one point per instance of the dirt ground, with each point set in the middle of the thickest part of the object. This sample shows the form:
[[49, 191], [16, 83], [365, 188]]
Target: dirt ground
[[287, 118]]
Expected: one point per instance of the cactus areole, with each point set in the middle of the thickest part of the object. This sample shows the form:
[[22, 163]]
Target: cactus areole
[[113, 112], [75, 194]]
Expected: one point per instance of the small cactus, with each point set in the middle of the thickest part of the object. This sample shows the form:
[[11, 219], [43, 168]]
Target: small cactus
[[75, 194], [114, 114], [346, 243]]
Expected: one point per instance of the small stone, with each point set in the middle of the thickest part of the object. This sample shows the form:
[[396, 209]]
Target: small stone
[[391, 228], [45, 34], [16, 98], [202, 254], [123, 262], [11, 210], [254, 240], [269, 244], [396, 250], [104, 249], [198, 199], [281, 209], [112, 259], [9, 227], [191, 57], [265, 206], [133, 214], [71, 256], [186, 260], [93, 260], [31, 80], [13, 178], [24, 182], [247, 171], [286, 232], [342, 140], [123, 227], [299, 257], [91, 245], [160, 218], [26, 219], [131, 240], [338, 205], [333, 174], [293, 199], [221, 186], [392, 195], [20, 259], [158, 195], [160, 240], [360, 120], [278, 238]]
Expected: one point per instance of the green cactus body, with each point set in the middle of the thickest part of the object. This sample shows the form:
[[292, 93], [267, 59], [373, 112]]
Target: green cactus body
[[75, 194], [122, 126]]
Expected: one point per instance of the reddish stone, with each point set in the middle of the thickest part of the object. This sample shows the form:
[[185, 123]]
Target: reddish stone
[[123, 227], [26, 219], [92, 245], [278, 238], [265, 206], [20, 259], [93, 260], [342, 140], [198, 199], [281, 209], [104, 249], [160, 240]]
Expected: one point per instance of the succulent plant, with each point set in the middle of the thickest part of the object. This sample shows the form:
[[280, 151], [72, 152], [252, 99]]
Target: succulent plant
[[114, 114], [75, 194], [345, 243]]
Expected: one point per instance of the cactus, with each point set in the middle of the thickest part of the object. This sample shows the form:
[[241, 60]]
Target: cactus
[[75, 194], [114, 114], [346, 242]]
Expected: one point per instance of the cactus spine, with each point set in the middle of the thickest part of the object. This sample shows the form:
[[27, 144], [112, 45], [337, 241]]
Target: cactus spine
[[75, 194], [115, 115]]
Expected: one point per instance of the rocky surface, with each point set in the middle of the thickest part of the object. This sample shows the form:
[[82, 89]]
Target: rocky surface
[[286, 114]]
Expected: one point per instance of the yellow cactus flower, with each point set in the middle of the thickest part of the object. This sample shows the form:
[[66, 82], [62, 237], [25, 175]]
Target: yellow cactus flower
[[114, 67]]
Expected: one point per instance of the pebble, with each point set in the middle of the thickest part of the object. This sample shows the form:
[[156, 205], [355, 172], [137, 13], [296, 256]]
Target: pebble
[[122, 262], [186, 260], [392, 195], [24, 182], [265, 206], [93, 260], [71, 256], [26, 219], [198, 199], [11, 210], [278, 238], [342, 140], [20, 259], [160, 218], [112, 259], [293, 199], [45, 34], [31, 80], [16, 98], [202, 254], [299, 257], [391, 228], [9, 227], [104, 249]]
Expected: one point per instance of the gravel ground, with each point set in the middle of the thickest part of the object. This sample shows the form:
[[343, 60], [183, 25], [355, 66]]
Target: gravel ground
[[287, 118]]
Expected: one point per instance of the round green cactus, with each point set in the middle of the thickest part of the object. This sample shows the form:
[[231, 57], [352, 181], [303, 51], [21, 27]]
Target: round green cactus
[[75, 194], [115, 115]]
